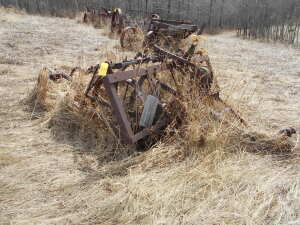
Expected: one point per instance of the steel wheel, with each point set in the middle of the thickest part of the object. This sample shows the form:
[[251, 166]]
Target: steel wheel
[[131, 38]]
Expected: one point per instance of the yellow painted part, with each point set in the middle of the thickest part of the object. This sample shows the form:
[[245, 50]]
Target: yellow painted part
[[196, 37], [103, 69], [202, 52]]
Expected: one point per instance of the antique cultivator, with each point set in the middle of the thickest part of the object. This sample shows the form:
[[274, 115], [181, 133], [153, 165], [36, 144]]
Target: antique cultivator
[[139, 91], [104, 16], [159, 31]]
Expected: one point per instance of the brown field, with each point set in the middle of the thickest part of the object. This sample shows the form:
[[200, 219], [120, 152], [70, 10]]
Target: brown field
[[46, 179]]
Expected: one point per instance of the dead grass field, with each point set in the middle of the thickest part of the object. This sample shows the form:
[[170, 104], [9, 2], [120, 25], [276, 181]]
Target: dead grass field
[[49, 180], [263, 76]]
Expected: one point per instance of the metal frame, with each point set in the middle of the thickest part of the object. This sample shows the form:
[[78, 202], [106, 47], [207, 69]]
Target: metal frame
[[174, 28], [169, 26], [112, 79], [116, 104]]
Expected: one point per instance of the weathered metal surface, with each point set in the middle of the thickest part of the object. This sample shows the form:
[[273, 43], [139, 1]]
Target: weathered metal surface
[[124, 75], [119, 112], [175, 22], [176, 29]]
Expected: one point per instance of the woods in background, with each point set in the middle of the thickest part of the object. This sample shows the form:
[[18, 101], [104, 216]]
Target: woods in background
[[277, 20]]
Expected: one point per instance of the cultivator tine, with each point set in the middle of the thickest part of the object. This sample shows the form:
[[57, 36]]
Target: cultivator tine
[[168, 88], [92, 82], [57, 75], [74, 70], [174, 22]]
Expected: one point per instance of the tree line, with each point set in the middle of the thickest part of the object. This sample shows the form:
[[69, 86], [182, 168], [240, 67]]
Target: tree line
[[277, 20]]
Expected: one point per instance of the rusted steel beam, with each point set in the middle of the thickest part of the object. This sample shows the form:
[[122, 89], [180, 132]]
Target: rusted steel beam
[[119, 112], [175, 22], [156, 129], [125, 75], [178, 27], [179, 59]]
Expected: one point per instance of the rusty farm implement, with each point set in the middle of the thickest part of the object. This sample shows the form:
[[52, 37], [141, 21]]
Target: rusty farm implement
[[159, 31], [139, 91], [100, 17]]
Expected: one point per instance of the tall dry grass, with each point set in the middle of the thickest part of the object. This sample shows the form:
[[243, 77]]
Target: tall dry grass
[[210, 169]]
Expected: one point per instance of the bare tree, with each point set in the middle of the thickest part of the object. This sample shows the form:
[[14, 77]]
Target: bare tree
[[276, 20]]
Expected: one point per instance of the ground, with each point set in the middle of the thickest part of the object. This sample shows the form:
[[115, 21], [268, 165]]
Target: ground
[[43, 181], [264, 76]]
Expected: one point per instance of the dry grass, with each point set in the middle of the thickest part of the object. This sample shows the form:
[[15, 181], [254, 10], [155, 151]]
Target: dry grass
[[7, 159], [211, 170], [9, 61], [5, 71], [37, 99], [76, 120], [262, 78], [198, 160]]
